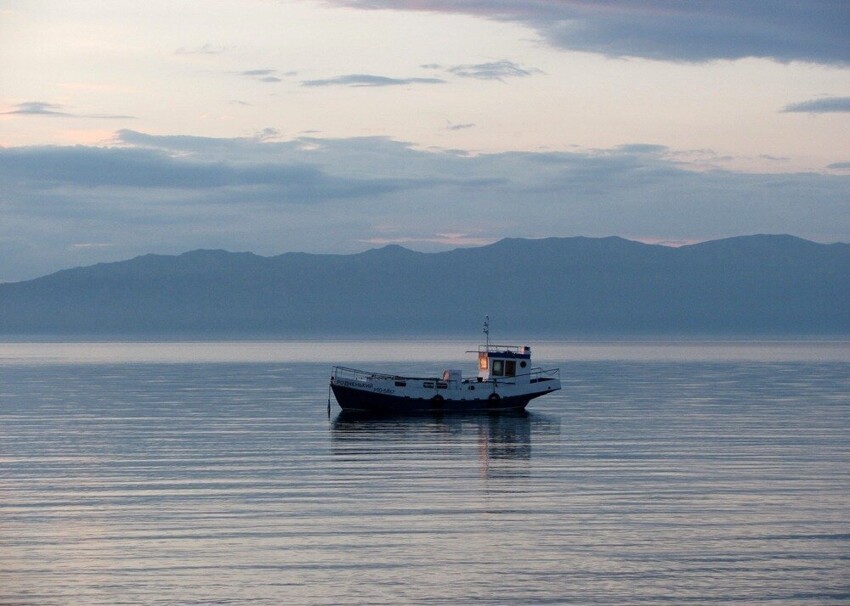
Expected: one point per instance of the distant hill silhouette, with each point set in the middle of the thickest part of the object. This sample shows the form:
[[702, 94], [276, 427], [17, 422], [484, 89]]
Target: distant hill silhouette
[[556, 287]]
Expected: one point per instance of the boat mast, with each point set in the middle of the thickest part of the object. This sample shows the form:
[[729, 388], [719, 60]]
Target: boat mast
[[487, 331]]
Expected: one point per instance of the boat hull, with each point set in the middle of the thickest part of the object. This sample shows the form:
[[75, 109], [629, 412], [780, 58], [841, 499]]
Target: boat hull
[[351, 398]]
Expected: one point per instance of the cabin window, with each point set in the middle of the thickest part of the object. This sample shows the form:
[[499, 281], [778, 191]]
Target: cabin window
[[482, 361], [428, 384], [523, 364], [441, 385], [498, 368], [401, 383], [510, 368]]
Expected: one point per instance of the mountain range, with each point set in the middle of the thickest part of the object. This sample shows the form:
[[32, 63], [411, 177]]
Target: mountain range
[[557, 287]]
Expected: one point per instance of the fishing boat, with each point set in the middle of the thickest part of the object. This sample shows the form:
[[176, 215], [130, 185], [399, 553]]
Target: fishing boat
[[506, 381]]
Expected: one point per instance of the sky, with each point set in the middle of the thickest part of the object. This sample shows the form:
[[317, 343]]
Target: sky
[[337, 126]]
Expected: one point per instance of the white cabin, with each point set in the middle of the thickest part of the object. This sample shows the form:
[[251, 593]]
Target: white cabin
[[504, 362]]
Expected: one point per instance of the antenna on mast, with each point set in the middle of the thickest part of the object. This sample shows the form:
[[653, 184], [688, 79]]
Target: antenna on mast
[[487, 330]]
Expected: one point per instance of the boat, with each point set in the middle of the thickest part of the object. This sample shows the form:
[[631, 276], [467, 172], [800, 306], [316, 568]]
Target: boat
[[506, 381]]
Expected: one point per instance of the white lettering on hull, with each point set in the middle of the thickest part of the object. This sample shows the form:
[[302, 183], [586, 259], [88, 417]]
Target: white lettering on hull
[[354, 384]]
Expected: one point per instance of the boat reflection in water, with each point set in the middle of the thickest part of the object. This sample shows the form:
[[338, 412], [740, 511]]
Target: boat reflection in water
[[499, 444]]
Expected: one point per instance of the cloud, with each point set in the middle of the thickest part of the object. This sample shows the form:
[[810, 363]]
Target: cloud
[[840, 166], [87, 245], [40, 108], [452, 240], [205, 49], [87, 168], [820, 106], [267, 134], [262, 75], [153, 193], [496, 70], [782, 30], [643, 148], [37, 108], [369, 80]]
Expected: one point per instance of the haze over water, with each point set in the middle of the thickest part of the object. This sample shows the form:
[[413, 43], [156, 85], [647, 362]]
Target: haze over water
[[663, 472]]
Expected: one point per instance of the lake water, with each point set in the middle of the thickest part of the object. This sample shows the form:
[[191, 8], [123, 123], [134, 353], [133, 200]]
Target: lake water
[[211, 473]]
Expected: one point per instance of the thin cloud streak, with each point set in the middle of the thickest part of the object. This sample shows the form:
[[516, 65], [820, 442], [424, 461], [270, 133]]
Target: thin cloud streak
[[37, 108], [369, 81], [204, 49], [820, 106], [262, 75], [54, 110], [494, 70]]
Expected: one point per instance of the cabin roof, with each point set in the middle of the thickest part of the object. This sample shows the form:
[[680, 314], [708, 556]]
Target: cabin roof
[[517, 352]]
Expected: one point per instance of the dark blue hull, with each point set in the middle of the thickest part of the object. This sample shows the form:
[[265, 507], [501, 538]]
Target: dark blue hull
[[359, 400]]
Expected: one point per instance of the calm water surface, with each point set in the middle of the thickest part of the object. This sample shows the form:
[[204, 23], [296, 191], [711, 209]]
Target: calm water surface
[[211, 473]]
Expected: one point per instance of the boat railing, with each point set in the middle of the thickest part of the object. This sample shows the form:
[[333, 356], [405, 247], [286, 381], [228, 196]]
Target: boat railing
[[544, 374], [353, 374], [535, 375], [493, 348]]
